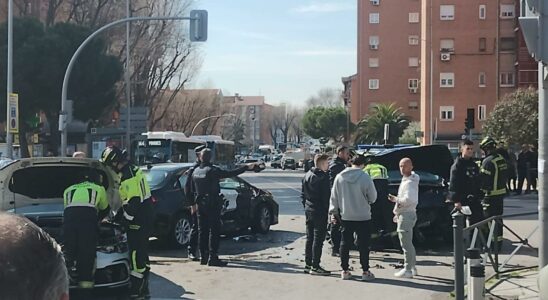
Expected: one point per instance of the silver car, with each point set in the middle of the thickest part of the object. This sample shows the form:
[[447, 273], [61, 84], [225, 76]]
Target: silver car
[[34, 187]]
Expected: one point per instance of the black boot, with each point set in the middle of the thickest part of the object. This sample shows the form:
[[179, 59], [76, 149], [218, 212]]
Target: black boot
[[214, 261], [136, 288], [146, 290]]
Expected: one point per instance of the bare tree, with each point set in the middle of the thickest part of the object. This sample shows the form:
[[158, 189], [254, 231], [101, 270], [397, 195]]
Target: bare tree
[[326, 97], [296, 128], [289, 116]]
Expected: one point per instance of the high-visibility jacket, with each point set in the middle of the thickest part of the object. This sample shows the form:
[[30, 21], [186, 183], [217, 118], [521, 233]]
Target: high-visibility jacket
[[134, 185], [494, 175], [86, 194], [376, 171]]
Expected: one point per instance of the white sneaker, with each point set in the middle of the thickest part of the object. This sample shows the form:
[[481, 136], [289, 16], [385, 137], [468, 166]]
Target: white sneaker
[[414, 272], [346, 275], [403, 273], [368, 276]]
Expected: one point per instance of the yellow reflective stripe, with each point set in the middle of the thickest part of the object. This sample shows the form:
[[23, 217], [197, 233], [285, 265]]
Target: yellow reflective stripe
[[134, 227], [86, 284], [484, 171], [134, 266]]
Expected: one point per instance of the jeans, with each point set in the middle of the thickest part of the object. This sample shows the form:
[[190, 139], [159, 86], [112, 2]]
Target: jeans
[[316, 227], [406, 222], [363, 231]]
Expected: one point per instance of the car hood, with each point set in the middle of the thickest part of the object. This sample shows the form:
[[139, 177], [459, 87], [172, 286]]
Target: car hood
[[435, 159]]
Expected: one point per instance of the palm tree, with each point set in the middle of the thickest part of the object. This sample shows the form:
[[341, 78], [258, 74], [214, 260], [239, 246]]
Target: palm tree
[[370, 129]]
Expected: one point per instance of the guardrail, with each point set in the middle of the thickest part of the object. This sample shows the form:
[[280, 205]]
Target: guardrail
[[490, 254]]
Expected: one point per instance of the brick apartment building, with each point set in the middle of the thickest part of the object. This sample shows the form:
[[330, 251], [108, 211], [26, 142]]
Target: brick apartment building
[[438, 60]]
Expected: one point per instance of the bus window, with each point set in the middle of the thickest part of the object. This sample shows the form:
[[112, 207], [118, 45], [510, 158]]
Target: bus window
[[151, 151]]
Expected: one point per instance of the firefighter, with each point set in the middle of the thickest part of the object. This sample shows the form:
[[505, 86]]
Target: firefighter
[[493, 184], [137, 217], [205, 183], [85, 205]]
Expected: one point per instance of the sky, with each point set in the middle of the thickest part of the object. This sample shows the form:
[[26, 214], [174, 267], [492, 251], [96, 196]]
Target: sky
[[285, 50]]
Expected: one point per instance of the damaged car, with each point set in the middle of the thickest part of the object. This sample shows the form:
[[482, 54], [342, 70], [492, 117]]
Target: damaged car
[[33, 187], [432, 163]]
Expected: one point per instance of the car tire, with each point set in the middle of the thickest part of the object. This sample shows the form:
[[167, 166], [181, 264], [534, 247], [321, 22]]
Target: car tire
[[294, 168], [283, 168], [179, 235], [256, 169], [262, 219]]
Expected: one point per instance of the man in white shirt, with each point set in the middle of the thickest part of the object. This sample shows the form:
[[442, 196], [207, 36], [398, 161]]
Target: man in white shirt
[[405, 215]]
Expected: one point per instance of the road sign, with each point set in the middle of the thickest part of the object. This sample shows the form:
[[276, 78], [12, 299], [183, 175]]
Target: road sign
[[13, 122]]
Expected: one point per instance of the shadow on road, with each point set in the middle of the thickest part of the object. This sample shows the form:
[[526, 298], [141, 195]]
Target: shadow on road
[[234, 244], [429, 283]]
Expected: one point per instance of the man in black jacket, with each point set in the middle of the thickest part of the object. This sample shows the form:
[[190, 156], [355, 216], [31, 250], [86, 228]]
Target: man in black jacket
[[193, 245], [336, 166], [315, 194], [206, 187], [464, 183]]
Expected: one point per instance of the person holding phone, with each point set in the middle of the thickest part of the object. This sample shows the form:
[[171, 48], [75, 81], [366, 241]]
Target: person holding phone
[[405, 215]]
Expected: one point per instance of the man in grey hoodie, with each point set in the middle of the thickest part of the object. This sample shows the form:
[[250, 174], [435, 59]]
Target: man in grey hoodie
[[352, 194]]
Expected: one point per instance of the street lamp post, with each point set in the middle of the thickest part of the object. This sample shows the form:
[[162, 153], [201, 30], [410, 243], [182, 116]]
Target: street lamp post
[[198, 33], [128, 81], [207, 118]]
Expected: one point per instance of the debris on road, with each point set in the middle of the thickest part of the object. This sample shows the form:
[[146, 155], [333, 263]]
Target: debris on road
[[245, 238]]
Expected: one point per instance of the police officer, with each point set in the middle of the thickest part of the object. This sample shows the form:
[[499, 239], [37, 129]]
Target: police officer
[[206, 186], [137, 216], [85, 205], [193, 245], [463, 184], [493, 184], [336, 166]]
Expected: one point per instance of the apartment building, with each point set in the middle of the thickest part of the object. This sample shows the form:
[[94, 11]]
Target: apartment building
[[439, 60], [388, 57]]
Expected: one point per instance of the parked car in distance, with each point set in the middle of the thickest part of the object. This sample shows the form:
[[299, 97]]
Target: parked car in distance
[[33, 188], [276, 162], [260, 164], [289, 163], [245, 206]]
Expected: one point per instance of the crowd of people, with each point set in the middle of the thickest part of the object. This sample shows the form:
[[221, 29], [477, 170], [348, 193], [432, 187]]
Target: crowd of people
[[342, 194]]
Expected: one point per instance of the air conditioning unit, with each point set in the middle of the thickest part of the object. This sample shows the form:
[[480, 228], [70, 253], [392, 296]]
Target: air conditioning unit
[[373, 46], [445, 56], [413, 90], [375, 2]]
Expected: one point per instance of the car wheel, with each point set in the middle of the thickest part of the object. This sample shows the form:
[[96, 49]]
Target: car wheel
[[283, 168], [181, 231], [256, 169], [262, 219]]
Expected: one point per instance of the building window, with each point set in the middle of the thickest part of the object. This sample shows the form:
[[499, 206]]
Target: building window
[[507, 44], [507, 79], [447, 45], [482, 11], [447, 80], [413, 61], [482, 44], [447, 12], [374, 42], [374, 18], [481, 79], [482, 112], [373, 84], [413, 40], [413, 105], [414, 17], [373, 62], [413, 83], [447, 113], [507, 11], [375, 2]]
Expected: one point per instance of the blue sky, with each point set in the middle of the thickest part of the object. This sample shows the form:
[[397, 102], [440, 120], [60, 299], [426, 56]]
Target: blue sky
[[285, 50]]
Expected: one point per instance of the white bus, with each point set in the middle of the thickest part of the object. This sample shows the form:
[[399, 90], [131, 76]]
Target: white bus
[[165, 146], [223, 150]]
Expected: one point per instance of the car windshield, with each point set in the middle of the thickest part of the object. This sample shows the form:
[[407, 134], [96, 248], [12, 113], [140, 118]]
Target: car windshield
[[425, 176], [156, 178], [290, 160]]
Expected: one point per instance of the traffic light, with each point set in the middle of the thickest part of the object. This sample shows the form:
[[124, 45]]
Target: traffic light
[[469, 121], [198, 25]]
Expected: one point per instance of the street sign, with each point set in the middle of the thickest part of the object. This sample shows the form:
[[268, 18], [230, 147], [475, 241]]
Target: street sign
[[13, 122], [198, 25]]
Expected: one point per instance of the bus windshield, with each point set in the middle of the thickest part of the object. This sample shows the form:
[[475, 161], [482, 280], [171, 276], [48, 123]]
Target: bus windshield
[[154, 151]]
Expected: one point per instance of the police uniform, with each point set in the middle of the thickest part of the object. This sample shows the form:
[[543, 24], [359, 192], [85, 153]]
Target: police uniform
[[189, 194], [139, 216], [84, 203], [493, 172], [206, 187]]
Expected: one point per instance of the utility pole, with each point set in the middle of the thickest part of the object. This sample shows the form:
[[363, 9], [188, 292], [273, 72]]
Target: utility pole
[[534, 23], [128, 81], [9, 89]]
